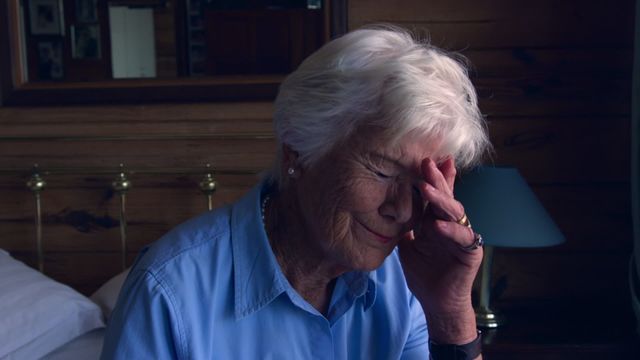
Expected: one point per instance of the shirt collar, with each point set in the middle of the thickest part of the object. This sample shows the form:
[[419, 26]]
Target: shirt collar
[[257, 275], [258, 279]]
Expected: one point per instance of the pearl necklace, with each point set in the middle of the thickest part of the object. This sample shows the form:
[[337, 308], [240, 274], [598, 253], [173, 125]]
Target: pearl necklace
[[263, 210]]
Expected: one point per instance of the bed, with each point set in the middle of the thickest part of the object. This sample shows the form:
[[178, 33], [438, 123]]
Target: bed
[[44, 318], [164, 148]]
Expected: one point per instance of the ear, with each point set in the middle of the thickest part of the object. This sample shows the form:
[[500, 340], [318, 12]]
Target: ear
[[289, 160]]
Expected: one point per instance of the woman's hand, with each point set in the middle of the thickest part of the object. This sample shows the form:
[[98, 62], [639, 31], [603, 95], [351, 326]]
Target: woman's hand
[[439, 271]]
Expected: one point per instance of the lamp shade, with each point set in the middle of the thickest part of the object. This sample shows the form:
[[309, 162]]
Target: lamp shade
[[504, 209]]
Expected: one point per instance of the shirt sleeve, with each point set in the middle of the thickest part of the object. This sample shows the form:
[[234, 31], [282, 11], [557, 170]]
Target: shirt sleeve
[[417, 345], [144, 324]]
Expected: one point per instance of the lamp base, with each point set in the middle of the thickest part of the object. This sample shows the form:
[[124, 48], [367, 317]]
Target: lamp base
[[487, 318]]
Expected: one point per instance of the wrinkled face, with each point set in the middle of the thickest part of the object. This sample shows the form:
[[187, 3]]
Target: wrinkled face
[[360, 199]]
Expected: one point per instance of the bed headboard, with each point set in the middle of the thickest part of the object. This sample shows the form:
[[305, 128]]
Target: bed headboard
[[164, 150]]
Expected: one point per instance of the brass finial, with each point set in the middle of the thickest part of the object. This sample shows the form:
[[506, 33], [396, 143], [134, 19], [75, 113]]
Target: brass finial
[[208, 184], [36, 183], [121, 183]]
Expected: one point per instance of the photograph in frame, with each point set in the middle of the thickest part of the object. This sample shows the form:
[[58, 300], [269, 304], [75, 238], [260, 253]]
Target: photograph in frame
[[50, 65], [85, 42], [44, 16], [86, 11]]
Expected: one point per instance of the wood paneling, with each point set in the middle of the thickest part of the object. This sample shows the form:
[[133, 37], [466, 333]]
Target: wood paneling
[[611, 63], [548, 274], [594, 217], [257, 41], [228, 154], [89, 222], [165, 40], [229, 136], [553, 79], [564, 150], [135, 114], [505, 24], [164, 148], [545, 95]]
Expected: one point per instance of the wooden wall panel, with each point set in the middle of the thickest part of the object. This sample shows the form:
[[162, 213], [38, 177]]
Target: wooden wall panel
[[590, 277], [594, 218], [540, 95], [224, 154], [221, 119], [165, 40], [78, 149], [81, 225], [554, 79], [502, 23], [610, 63], [88, 219], [564, 150]]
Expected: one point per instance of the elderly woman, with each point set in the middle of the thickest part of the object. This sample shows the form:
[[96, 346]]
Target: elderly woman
[[352, 248]]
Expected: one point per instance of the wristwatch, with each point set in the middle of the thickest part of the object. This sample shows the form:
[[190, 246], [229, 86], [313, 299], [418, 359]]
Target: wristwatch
[[467, 351]]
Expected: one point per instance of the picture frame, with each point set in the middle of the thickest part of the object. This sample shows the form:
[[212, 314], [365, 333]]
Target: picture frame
[[50, 65], [85, 41], [86, 11], [46, 17]]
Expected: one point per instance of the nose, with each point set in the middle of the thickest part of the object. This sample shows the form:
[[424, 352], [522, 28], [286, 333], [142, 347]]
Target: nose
[[399, 203]]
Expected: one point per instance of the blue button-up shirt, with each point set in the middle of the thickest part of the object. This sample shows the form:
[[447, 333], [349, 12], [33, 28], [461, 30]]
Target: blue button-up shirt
[[212, 289]]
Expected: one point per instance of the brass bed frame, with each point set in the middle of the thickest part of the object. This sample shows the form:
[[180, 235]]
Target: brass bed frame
[[121, 185]]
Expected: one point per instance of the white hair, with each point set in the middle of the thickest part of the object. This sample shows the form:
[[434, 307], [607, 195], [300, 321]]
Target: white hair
[[378, 77]]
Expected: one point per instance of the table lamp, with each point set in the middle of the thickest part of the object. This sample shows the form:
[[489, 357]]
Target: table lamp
[[504, 209]]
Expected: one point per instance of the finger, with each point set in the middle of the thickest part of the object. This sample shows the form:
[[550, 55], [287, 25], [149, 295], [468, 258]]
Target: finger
[[455, 235], [448, 170], [433, 176], [442, 205]]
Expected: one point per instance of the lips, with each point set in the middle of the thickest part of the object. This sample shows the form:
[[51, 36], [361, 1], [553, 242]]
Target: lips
[[382, 238]]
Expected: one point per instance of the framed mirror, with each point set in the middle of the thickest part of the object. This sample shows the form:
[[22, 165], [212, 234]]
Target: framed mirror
[[57, 52]]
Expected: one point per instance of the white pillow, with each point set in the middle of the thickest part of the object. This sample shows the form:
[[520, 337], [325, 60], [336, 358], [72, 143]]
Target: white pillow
[[107, 296], [38, 314]]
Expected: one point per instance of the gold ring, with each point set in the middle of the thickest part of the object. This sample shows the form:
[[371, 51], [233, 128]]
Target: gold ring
[[464, 221]]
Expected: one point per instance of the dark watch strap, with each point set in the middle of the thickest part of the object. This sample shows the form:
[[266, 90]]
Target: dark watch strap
[[467, 351]]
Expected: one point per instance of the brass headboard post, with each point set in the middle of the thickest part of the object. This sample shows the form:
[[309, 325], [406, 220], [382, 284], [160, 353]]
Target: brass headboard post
[[121, 185], [36, 184], [208, 187]]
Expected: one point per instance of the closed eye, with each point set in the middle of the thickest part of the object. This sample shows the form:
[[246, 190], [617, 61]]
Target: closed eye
[[381, 175]]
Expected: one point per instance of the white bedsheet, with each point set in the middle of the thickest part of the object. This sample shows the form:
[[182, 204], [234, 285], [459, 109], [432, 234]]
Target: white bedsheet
[[86, 347]]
